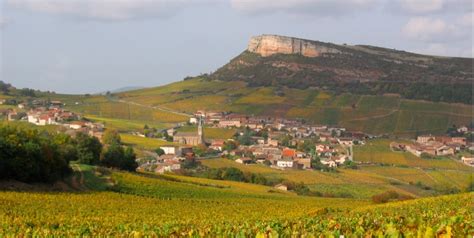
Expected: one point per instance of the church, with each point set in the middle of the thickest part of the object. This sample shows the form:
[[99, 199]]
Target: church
[[191, 138]]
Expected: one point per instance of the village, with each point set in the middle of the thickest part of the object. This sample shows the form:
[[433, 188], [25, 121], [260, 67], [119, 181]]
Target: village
[[44, 113], [279, 143], [275, 142]]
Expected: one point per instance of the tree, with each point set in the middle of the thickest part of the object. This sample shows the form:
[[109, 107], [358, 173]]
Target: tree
[[111, 137], [233, 174], [88, 149], [30, 155], [116, 157], [129, 161], [245, 138], [159, 152]]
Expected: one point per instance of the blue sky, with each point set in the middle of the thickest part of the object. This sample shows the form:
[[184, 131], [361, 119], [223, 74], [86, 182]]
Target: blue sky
[[87, 46]]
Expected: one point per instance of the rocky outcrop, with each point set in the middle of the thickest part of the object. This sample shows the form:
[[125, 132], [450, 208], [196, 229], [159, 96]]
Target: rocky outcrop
[[266, 45]]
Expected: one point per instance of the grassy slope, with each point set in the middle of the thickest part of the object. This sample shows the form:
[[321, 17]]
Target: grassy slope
[[184, 206], [373, 114]]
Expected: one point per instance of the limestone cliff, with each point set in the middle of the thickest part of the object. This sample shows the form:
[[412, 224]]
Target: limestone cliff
[[266, 45]]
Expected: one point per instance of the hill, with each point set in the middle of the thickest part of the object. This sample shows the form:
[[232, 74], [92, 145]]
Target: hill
[[376, 114], [281, 61]]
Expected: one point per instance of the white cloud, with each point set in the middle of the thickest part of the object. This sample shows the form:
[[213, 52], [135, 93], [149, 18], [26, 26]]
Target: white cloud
[[428, 29], [432, 6], [310, 7], [107, 9], [421, 6]]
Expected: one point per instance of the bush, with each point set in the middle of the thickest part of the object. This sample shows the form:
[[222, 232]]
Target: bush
[[389, 196]]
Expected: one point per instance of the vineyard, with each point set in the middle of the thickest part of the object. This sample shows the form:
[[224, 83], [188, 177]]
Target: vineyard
[[371, 114], [175, 206]]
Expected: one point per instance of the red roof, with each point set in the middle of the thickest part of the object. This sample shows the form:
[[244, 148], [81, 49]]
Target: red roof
[[289, 152]]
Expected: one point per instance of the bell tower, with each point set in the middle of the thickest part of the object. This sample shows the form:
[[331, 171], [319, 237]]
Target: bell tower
[[200, 130]]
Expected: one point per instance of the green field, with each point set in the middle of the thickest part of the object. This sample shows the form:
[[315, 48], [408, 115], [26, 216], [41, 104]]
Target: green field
[[211, 133], [144, 142], [178, 206]]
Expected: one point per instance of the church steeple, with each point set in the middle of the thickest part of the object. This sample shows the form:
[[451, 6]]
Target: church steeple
[[200, 130]]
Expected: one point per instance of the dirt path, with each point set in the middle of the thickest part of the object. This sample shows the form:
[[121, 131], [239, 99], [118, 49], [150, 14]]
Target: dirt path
[[373, 117], [151, 107]]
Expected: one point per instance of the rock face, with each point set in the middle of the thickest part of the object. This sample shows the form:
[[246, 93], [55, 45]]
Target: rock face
[[266, 45]]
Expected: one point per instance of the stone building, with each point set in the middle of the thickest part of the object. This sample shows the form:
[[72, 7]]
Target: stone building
[[191, 138]]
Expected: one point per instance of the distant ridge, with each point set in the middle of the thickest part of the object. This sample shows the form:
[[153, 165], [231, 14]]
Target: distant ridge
[[272, 60]]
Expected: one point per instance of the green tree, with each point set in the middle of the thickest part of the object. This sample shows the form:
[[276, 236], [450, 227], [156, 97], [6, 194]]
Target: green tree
[[116, 157], [88, 149], [159, 152]]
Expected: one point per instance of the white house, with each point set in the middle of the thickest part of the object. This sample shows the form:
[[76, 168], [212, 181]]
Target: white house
[[170, 150], [468, 160], [285, 163], [193, 120]]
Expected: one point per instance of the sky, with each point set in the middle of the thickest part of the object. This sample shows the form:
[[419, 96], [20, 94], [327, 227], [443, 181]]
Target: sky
[[90, 46]]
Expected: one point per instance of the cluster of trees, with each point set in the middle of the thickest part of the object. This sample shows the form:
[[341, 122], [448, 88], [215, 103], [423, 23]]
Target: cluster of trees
[[31, 155], [235, 174], [114, 155]]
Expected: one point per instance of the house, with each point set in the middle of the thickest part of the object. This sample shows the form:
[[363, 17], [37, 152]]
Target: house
[[244, 160], [56, 103], [414, 149], [193, 120], [169, 166], [217, 145], [170, 149], [229, 123], [459, 140], [463, 129], [272, 142], [282, 187], [445, 150], [304, 163], [285, 163], [468, 160], [77, 125], [288, 153], [22, 106], [425, 138]]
